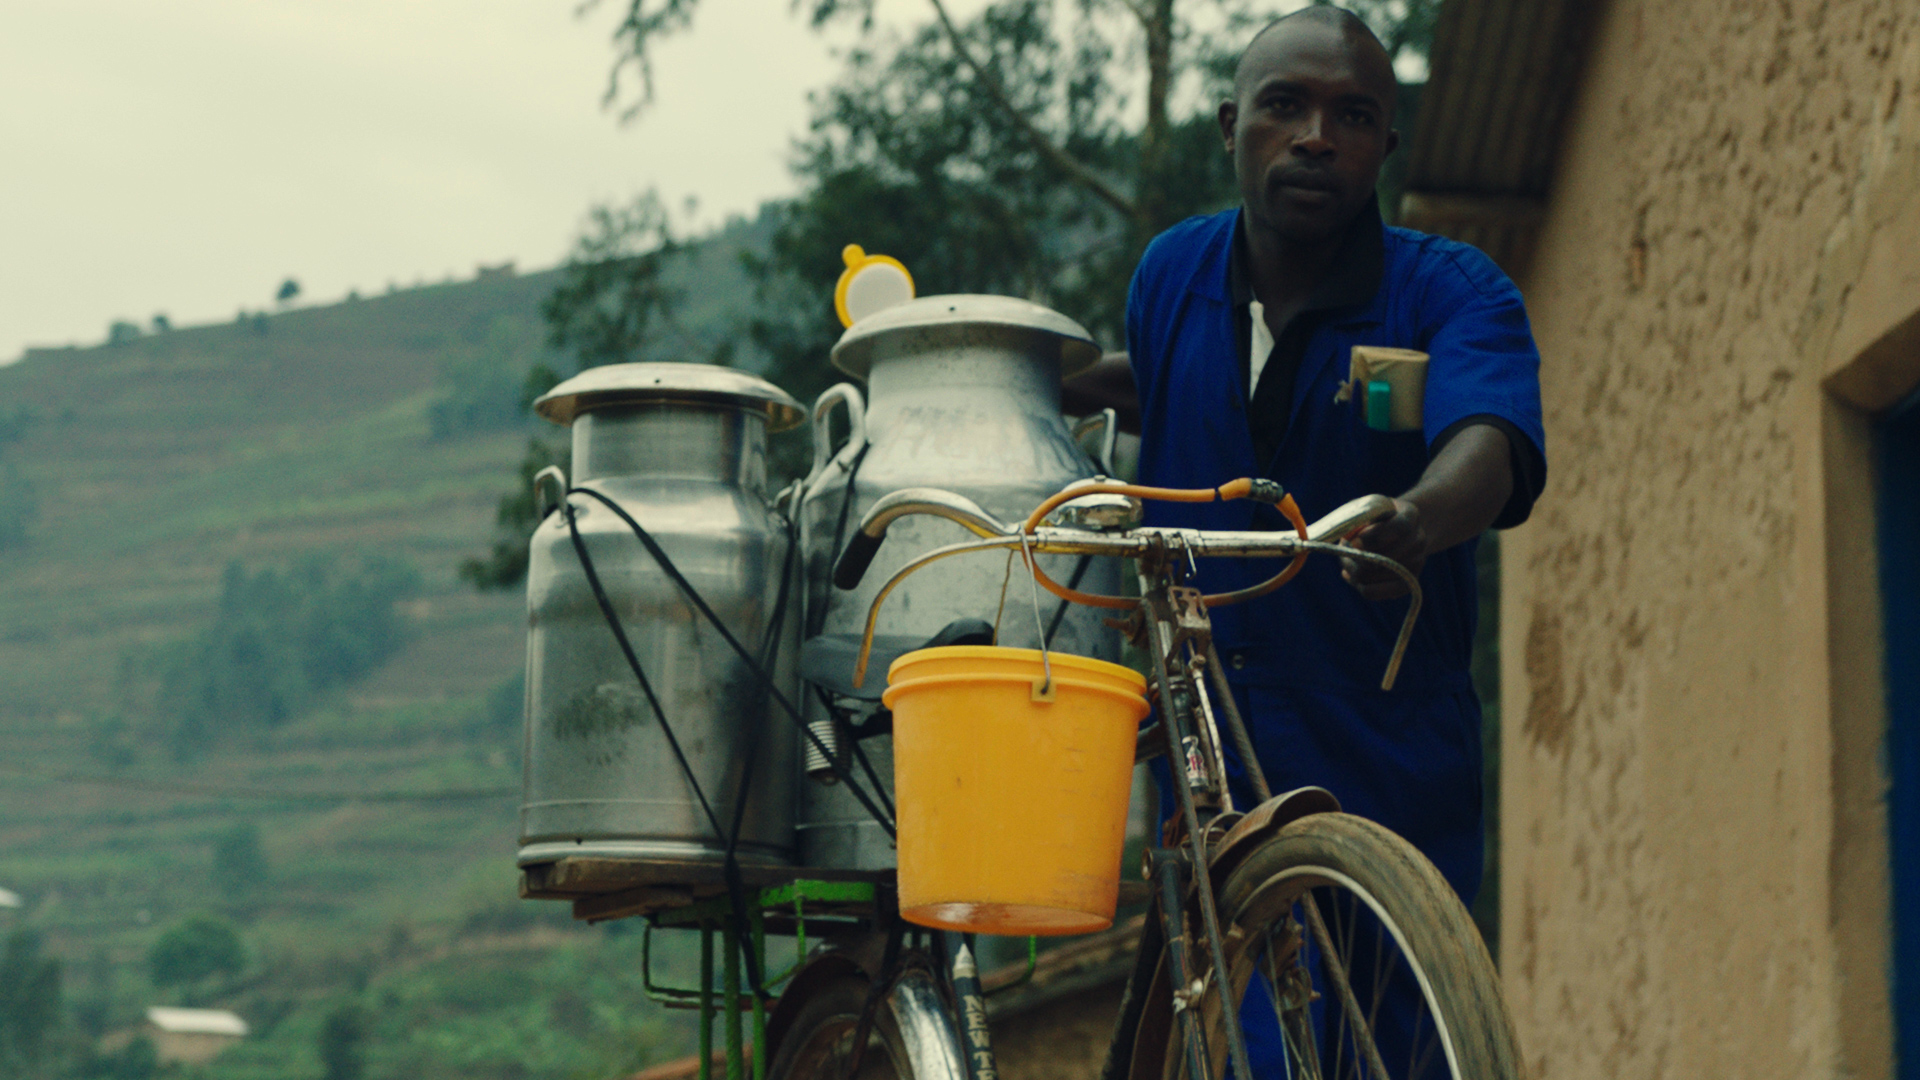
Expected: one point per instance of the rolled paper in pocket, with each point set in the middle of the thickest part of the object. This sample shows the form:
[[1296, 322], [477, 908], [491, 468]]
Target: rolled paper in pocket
[[1390, 386]]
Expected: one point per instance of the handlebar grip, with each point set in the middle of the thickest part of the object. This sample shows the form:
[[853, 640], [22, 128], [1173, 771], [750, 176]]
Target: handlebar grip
[[855, 560]]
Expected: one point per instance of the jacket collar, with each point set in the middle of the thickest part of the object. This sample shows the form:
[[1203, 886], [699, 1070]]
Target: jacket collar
[[1353, 281]]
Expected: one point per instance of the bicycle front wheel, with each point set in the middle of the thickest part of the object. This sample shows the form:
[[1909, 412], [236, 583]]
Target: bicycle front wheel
[[911, 1035], [1349, 956]]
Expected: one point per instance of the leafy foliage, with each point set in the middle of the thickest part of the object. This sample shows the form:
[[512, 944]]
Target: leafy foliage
[[614, 290], [135, 1061], [239, 866], [269, 452], [196, 949], [279, 640], [487, 389], [1033, 150], [342, 1042], [30, 1006], [505, 566]]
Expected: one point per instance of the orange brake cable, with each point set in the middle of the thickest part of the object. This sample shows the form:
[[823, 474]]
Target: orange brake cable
[[1242, 488]]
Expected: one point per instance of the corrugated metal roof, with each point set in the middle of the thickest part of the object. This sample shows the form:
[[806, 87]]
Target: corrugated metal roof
[[196, 1021], [1503, 74]]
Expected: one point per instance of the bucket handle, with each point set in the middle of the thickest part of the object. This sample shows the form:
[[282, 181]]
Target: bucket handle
[[1042, 691], [1033, 684], [823, 456]]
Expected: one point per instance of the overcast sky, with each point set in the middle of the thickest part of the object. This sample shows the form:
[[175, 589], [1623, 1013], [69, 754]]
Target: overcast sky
[[187, 156]]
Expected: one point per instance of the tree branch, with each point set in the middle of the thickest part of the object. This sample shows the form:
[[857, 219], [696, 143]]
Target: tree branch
[[1049, 150]]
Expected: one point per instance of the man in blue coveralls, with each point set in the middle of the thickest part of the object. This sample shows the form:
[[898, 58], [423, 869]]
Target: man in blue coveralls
[[1239, 330]]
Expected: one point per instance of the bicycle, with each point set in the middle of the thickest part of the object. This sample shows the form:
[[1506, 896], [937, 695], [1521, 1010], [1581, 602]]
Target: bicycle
[[1346, 925]]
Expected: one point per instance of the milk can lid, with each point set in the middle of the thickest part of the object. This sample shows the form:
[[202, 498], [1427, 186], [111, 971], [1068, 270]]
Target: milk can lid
[[854, 354], [635, 384]]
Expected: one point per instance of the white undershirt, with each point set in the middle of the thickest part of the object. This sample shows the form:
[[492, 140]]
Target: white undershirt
[[1260, 346]]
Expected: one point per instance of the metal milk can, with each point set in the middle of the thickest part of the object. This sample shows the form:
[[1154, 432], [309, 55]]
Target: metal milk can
[[963, 393], [682, 448]]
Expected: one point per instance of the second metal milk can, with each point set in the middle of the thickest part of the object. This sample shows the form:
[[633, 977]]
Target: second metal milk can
[[682, 449], [963, 393]]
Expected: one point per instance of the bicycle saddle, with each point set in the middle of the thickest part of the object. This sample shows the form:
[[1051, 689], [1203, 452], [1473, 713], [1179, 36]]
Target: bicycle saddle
[[827, 661]]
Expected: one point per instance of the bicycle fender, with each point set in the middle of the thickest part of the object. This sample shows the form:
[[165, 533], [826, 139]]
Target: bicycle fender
[[1155, 1033], [1262, 822], [820, 970]]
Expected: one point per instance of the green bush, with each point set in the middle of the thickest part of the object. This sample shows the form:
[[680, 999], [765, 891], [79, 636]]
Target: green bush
[[30, 1009], [486, 388], [239, 865], [195, 950], [280, 639], [342, 1042]]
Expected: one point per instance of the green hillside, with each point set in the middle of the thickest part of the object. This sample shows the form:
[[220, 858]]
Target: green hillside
[[152, 466]]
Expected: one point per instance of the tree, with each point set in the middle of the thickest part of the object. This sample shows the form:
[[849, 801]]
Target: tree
[[288, 292], [30, 1007], [280, 638], [342, 1042], [486, 388], [121, 331], [162, 324], [238, 863], [505, 565], [195, 950], [1032, 150]]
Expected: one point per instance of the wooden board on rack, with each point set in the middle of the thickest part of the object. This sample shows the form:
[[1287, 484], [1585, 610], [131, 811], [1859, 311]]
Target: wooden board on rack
[[579, 878]]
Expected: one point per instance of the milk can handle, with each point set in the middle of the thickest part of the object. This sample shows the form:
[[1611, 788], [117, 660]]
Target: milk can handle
[[823, 455], [1109, 422], [548, 479]]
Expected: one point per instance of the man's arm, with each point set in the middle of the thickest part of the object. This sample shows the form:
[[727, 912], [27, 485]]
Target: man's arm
[[1463, 490], [1108, 384]]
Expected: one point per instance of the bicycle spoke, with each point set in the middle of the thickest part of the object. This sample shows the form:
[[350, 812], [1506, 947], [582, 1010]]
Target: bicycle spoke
[[1294, 1015], [1420, 1057], [1383, 958], [1337, 975]]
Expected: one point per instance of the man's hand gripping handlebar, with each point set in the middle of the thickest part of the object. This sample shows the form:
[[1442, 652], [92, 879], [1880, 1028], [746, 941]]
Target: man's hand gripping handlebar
[[1032, 537]]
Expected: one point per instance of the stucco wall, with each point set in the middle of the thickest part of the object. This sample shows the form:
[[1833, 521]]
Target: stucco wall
[[1692, 837]]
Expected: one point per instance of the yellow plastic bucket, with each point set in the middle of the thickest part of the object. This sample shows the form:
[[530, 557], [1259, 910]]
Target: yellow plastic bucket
[[1012, 807]]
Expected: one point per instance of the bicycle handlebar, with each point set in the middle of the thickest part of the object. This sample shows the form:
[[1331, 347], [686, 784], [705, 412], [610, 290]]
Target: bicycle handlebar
[[1036, 539], [865, 544]]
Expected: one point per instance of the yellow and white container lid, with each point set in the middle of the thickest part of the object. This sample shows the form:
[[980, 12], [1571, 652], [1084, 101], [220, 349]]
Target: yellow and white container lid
[[869, 284]]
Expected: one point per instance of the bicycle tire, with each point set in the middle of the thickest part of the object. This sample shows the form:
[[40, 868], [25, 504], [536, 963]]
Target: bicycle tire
[[911, 1038], [1424, 944]]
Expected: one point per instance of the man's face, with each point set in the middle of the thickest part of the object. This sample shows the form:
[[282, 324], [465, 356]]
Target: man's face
[[1308, 131]]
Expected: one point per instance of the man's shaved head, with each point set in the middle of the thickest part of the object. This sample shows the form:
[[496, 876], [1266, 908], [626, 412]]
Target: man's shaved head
[[1369, 56], [1310, 122]]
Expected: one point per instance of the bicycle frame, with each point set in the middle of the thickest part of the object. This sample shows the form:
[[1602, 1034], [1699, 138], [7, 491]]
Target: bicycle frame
[[1170, 621]]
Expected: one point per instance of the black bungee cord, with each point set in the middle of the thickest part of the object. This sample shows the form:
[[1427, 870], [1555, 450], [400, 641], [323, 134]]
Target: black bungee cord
[[761, 670], [765, 679], [730, 865]]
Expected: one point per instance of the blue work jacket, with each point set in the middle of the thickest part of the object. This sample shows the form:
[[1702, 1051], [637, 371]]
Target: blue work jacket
[[1435, 295]]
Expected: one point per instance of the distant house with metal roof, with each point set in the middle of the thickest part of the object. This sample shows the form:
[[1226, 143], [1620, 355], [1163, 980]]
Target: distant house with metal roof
[[192, 1036]]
